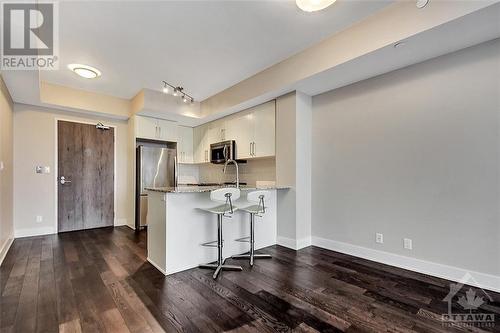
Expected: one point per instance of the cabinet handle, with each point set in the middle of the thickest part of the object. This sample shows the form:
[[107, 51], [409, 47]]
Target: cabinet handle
[[254, 148]]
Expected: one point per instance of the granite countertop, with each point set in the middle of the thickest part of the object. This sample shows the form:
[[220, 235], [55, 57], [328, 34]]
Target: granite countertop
[[200, 189]]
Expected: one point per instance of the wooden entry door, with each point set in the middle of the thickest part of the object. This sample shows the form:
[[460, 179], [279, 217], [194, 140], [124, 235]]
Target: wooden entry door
[[86, 161]]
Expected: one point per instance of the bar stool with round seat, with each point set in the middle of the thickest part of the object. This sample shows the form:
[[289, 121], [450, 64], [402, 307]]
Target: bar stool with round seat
[[226, 196], [257, 209]]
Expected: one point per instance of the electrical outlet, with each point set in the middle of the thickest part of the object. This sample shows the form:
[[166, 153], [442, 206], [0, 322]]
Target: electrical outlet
[[379, 238], [39, 219], [407, 243]]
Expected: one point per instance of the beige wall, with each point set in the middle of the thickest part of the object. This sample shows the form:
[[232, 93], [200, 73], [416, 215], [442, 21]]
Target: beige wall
[[414, 153], [6, 175], [85, 101], [35, 144]]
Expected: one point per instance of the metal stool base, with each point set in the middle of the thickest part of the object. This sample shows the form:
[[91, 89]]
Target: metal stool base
[[221, 267], [220, 264], [252, 257]]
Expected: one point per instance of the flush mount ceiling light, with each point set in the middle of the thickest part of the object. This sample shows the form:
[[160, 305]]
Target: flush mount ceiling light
[[422, 3], [313, 5], [177, 91], [85, 71]]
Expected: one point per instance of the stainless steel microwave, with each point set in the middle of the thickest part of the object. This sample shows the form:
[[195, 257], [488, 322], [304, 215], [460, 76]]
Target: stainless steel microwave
[[222, 151]]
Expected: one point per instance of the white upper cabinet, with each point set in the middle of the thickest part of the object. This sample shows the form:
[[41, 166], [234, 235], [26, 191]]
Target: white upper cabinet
[[168, 130], [253, 130], [216, 131], [264, 139], [200, 144], [240, 129], [146, 128], [185, 144], [155, 129]]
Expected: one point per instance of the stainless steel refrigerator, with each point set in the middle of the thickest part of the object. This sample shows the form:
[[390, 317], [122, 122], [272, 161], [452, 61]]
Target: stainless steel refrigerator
[[156, 167]]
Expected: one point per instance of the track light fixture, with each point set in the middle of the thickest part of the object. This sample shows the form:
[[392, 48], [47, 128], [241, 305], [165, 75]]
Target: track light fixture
[[177, 91]]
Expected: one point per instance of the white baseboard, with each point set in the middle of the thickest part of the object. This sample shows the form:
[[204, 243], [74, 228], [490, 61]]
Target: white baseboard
[[156, 266], [304, 242], [294, 244], [485, 281], [5, 248], [286, 242], [120, 222], [33, 232]]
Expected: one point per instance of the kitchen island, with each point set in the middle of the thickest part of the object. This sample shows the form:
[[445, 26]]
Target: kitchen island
[[177, 226]]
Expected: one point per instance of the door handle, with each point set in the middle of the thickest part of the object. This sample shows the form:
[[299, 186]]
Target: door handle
[[64, 180]]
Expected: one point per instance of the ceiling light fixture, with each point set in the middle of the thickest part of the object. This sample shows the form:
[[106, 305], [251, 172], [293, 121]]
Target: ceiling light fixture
[[177, 91], [313, 5], [85, 71], [422, 3]]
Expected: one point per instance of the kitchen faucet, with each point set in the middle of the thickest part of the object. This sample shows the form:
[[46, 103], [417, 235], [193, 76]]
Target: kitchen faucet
[[237, 171]]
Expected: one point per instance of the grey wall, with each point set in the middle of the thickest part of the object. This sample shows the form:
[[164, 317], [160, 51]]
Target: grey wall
[[414, 153]]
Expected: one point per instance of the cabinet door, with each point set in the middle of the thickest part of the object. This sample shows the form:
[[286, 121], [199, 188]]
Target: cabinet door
[[215, 132], [146, 128], [240, 129], [264, 117], [200, 144], [167, 130], [185, 144]]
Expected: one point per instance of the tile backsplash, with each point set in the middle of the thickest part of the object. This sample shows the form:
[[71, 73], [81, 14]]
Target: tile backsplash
[[254, 170]]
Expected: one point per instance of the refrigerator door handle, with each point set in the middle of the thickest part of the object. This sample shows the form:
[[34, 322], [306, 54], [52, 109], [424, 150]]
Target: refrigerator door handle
[[176, 173]]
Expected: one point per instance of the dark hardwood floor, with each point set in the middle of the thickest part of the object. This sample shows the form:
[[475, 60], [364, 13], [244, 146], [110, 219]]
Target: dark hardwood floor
[[99, 280]]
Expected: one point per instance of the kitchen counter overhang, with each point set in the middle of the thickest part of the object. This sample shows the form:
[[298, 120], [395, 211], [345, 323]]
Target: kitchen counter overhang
[[201, 189]]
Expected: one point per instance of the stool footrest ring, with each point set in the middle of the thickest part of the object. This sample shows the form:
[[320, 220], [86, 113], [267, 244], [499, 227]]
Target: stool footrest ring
[[243, 239], [210, 244]]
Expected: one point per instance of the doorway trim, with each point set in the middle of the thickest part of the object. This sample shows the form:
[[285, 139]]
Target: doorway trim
[[56, 164]]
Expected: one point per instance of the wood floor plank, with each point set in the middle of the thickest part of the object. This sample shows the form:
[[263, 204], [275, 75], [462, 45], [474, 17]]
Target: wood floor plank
[[99, 281]]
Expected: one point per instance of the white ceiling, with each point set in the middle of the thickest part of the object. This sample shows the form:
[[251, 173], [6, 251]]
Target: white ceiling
[[205, 46]]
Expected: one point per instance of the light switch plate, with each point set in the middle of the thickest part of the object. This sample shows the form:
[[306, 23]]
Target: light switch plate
[[1, 166], [46, 169], [39, 219], [379, 238]]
